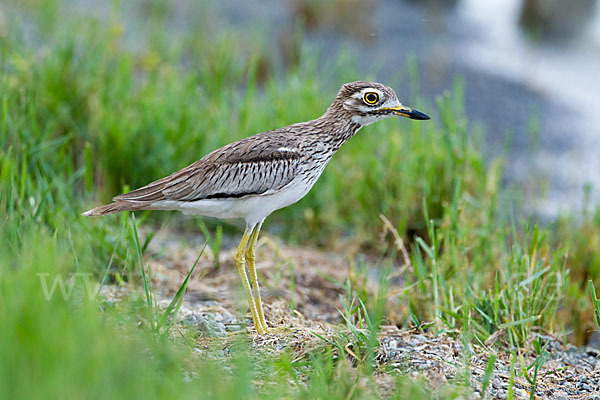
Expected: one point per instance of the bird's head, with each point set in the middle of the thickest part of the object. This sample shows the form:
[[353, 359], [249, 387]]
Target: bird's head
[[367, 102]]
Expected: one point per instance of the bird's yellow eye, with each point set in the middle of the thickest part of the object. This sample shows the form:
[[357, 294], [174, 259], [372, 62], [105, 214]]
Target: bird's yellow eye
[[371, 98]]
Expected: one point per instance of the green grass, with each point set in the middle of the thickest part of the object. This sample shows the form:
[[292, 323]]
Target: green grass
[[83, 116]]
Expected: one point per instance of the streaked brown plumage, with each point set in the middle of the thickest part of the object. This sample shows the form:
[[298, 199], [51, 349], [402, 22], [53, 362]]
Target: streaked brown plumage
[[257, 175]]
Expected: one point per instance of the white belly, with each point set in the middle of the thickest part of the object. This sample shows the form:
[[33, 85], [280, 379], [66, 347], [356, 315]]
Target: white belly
[[252, 208]]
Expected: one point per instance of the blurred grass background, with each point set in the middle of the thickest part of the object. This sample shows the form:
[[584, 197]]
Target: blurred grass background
[[83, 116]]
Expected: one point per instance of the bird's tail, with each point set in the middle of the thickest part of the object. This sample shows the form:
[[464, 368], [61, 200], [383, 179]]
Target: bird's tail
[[113, 208]]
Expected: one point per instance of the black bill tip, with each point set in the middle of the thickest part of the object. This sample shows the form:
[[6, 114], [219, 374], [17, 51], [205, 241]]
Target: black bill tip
[[414, 114]]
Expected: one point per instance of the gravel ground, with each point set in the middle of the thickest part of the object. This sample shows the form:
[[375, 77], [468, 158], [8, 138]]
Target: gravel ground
[[215, 306], [570, 373]]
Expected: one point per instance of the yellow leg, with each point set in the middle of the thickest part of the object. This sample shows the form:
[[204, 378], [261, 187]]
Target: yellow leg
[[240, 262], [250, 257]]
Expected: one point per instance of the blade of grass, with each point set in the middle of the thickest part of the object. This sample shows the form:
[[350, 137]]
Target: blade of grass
[[489, 371], [138, 249], [519, 322], [178, 298], [595, 302]]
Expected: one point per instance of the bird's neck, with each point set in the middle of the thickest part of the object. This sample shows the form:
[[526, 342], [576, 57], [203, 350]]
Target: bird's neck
[[338, 127]]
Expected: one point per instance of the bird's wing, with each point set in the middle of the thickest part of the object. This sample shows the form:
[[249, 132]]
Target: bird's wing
[[250, 166]]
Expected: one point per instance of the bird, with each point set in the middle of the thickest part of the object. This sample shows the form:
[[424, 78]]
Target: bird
[[257, 175]]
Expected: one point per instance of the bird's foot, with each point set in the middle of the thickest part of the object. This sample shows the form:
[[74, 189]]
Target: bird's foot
[[274, 331], [266, 330]]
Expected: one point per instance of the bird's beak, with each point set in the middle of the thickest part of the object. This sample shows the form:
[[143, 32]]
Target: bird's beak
[[407, 112]]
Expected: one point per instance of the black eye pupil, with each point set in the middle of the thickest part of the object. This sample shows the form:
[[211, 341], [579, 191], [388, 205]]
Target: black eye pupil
[[371, 98]]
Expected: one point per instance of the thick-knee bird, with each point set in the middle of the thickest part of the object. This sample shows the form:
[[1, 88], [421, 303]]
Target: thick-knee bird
[[257, 175]]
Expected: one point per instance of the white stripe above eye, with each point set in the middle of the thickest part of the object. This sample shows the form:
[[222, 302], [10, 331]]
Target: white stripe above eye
[[360, 94]]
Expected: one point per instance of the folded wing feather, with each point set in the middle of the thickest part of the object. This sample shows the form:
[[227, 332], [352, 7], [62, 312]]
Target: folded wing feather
[[250, 166]]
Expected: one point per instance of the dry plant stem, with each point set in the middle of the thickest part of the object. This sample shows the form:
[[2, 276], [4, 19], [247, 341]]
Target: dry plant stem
[[398, 240]]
